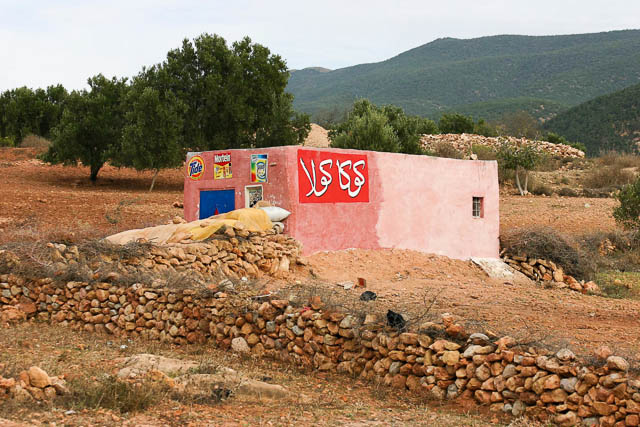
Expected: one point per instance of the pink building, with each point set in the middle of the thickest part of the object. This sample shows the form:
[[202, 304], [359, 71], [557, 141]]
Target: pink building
[[342, 199]]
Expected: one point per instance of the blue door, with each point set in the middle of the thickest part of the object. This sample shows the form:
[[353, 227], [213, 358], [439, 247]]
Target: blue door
[[216, 202]]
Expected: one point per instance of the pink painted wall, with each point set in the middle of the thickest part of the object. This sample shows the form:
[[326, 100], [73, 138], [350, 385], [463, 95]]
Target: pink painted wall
[[415, 202]]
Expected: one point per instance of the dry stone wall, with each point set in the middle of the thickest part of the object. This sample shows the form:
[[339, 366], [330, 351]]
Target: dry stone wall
[[464, 142], [549, 272], [549, 386], [233, 254]]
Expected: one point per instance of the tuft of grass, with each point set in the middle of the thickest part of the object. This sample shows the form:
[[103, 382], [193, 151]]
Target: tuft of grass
[[109, 392]]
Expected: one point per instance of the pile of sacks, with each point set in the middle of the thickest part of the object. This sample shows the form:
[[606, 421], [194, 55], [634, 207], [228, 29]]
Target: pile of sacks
[[548, 272], [464, 142], [32, 384]]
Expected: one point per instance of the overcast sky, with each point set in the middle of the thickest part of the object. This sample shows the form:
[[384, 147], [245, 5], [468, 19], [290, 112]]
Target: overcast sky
[[44, 42]]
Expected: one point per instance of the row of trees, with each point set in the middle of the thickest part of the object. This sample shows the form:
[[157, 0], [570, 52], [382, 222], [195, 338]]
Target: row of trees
[[24, 111], [205, 95]]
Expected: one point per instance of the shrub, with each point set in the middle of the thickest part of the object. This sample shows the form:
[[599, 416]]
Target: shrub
[[619, 160], [608, 177], [35, 141], [484, 152], [548, 163], [628, 212], [546, 243], [444, 149], [540, 188], [111, 393], [568, 192], [5, 141]]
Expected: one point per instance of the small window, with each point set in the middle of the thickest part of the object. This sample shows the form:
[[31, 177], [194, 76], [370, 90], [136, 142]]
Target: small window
[[478, 207]]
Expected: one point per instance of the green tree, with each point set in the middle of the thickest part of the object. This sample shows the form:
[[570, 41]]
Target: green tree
[[455, 123], [234, 96], [25, 111], [90, 130], [627, 213], [152, 138], [520, 159], [387, 128]]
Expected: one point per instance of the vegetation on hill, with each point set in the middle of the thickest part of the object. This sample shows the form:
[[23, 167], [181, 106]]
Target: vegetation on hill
[[509, 73], [609, 122]]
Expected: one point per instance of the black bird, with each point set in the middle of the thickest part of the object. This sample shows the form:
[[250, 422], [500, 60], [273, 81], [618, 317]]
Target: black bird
[[395, 320], [368, 296]]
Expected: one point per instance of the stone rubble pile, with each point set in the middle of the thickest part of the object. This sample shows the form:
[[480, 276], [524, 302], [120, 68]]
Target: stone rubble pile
[[32, 384], [235, 254], [548, 272], [464, 142], [549, 386]]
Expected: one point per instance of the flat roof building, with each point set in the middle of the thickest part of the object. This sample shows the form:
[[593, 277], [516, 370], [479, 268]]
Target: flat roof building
[[342, 199]]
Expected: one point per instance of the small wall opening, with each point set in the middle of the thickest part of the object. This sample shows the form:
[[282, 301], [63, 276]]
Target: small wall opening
[[478, 207]]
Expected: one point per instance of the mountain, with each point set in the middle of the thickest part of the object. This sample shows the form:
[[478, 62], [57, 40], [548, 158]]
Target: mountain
[[487, 75], [609, 122]]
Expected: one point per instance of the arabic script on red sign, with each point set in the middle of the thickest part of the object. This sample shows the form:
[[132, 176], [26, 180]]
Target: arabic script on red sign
[[329, 177]]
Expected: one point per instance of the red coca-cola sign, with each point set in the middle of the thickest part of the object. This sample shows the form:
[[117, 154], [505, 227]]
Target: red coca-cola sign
[[330, 177]]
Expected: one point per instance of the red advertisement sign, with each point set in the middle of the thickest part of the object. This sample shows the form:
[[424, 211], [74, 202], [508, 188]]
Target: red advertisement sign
[[329, 177]]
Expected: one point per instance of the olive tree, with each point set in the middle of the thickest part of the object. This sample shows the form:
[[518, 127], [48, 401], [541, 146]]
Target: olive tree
[[90, 129]]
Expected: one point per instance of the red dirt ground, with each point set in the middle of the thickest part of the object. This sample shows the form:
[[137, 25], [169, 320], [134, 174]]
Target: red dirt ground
[[39, 201]]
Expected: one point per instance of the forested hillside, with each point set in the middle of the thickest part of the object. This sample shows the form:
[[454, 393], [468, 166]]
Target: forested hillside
[[485, 76], [609, 122]]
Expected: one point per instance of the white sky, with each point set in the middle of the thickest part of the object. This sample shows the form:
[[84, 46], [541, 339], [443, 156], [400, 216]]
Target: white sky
[[44, 42]]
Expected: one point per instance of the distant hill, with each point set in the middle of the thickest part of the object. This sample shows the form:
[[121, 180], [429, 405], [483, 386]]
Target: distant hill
[[609, 122], [486, 76]]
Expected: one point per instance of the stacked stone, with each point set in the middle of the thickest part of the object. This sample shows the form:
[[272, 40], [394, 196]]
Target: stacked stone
[[548, 386], [548, 272], [464, 142], [32, 384], [237, 253]]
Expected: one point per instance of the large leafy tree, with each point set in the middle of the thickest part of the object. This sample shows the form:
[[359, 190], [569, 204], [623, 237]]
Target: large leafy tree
[[152, 138], [456, 123], [234, 96], [90, 129], [387, 128]]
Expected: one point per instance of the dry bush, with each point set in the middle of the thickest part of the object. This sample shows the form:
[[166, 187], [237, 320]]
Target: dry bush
[[608, 177], [109, 392], [547, 243], [539, 188], [484, 152], [619, 160], [35, 141], [548, 163], [568, 192], [444, 149]]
